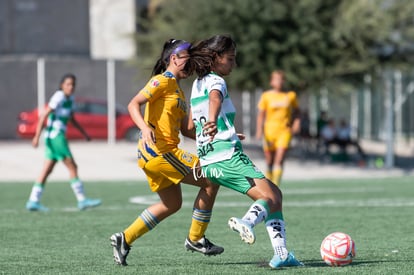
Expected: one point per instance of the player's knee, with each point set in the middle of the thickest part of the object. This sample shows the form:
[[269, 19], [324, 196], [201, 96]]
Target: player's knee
[[275, 204], [212, 188], [275, 200]]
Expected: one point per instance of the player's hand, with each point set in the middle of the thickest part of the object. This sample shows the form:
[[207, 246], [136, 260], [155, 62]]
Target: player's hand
[[148, 136], [241, 136], [258, 136], [210, 129], [35, 141]]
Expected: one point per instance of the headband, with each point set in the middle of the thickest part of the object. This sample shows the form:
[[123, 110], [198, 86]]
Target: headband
[[182, 47]]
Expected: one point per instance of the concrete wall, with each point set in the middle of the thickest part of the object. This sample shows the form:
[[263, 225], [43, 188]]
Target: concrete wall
[[44, 27]]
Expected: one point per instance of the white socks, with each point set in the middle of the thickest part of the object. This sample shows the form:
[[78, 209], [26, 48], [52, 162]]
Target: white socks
[[256, 213], [37, 191], [276, 230], [77, 188]]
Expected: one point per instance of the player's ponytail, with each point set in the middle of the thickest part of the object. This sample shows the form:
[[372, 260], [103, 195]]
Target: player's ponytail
[[203, 55], [171, 46]]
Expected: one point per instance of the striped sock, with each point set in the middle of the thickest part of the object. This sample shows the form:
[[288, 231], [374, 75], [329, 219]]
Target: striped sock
[[144, 223], [199, 224]]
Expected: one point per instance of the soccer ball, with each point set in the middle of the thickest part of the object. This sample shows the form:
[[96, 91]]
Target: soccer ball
[[337, 249]]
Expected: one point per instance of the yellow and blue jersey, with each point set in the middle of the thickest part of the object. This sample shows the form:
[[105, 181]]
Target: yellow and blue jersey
[[164, 111]]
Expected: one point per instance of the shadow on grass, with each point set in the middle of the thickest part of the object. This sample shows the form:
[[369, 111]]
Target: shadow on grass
[[320, 263], [307, 263]]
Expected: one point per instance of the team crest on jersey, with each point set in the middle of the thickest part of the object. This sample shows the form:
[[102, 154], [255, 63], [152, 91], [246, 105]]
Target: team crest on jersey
[[187, 157], [155, 83]]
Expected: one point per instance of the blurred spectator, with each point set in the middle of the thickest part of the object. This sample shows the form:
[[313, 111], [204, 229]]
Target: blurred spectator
[[328, 133], [321, 122], [304, 124], [344, 138], [340, 136]]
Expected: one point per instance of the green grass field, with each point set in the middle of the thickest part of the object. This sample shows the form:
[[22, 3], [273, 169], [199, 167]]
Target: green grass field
[[378, 214]]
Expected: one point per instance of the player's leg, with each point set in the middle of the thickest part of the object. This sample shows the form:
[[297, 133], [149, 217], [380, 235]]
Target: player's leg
[[279, 155], [203, 204], [282, 145], [268, 200], [241, 175], [77, 185], [269, 153], [33, 204], [171, 200], [202, 211]]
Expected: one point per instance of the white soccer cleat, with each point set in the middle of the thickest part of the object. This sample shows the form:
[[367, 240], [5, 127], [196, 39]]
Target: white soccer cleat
[[244, 229]]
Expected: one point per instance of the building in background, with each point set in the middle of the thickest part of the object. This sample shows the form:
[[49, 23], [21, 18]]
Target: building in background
[[76, 36]]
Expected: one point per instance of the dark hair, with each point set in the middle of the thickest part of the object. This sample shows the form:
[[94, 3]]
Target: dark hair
[[171, 46], [204, 53], [66, 76], [279, 72]]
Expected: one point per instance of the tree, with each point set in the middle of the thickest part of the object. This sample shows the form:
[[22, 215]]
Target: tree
[[312, 41]]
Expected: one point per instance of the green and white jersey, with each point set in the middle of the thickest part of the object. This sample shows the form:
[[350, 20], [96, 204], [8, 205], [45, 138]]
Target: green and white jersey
[[224, 142], [62, 110]]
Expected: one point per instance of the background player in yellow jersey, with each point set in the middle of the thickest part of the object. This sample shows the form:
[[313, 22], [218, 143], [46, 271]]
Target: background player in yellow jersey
[[165, 165], [277, 120]]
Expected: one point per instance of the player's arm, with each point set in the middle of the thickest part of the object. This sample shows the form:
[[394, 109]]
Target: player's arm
[[134, 108], [187, 126], [214, 107], [295, 125], [79, 127], [40, 125], [261, 115], [295, 121]]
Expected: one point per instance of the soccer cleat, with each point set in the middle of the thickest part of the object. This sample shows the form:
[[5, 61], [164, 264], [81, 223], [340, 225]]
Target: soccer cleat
[[120, 248], [290, 260], [88, 203], [204, 246], [245, 230], [36, 206]]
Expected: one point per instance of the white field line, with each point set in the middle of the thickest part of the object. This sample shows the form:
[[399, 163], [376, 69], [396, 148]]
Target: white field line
[[386, 202], [307, 191], [148, 200]]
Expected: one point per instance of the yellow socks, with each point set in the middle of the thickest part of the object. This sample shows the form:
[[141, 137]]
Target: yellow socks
[[277, 175], [199, 224], [269, 174], [144, 223]]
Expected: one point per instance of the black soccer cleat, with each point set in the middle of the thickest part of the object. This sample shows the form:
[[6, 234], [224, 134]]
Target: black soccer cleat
[[204, 246], [121, 248]]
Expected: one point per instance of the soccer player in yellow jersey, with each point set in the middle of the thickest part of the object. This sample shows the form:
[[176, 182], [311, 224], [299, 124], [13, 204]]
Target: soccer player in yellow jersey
[[165, 165], [277, 120]]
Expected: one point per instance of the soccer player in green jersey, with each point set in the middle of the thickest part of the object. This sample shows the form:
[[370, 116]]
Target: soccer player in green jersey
[[58, 113], [220, 150]]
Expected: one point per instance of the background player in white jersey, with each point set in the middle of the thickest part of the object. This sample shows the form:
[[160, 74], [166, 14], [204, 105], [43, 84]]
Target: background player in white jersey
[[58, 112], [220, 150]]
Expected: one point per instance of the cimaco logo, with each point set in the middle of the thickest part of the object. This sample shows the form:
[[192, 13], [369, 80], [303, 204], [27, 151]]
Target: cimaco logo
[[207, 172]]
